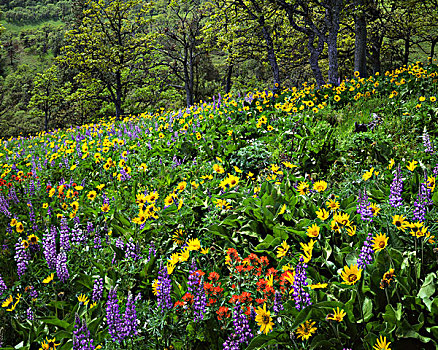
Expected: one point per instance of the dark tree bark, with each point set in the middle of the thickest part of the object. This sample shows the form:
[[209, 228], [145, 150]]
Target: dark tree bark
[[332, 14], [272, 58], [315, 52], [228, 78], [360, 42]]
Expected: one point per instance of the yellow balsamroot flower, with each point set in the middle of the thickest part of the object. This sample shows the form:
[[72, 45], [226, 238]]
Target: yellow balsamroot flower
[[52, 192], [282, 210], [19, 227], [306, 330], [415, 228], [422, 99], [289, 165], [33, 239], [184, 255], [368, 174], [48, 279], [50, 345], [204, 251], [322, 214], [170, 267], [313, 231], [431, 183], [237, 170], [337, 98], [100, 187], [412, 165], [105, 208], [337, 315], [351, 274], [382, 344], [75, 205], [333, 204], [264, 319], [303, 188], [351, 230], [400, 222], [218, 168], [152, 197], [181, 186], [194, 244], [83, 299], [320, 186], [375, 209], [222, 204], [13, 222], [318, 286], [391, 164], [380, 242], [282, 250], [8, 301], [91, 195]]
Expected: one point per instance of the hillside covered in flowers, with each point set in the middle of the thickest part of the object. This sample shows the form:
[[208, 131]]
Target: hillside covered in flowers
[[293, 219]]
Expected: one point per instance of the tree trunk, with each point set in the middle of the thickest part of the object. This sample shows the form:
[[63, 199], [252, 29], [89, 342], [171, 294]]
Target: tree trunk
[[272, 58], [407, 49], [315, 52], [360, 43], [46, 120], [118, 102], [432, 48], [374, 54], [332, 20], [228, 78]]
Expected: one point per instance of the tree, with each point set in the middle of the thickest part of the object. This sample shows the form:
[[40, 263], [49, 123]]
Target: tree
[[47, 95], [110, 45]]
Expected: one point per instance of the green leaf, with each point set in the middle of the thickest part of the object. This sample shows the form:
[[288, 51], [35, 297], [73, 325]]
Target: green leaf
[[53, 320], [428, 289]]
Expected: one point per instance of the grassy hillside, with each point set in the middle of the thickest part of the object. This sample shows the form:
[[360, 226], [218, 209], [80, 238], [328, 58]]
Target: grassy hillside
[[300, 219]]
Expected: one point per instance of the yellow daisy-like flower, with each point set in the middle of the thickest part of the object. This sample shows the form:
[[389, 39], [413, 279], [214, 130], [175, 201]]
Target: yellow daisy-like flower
[[194, 244], [83, 299], [8, 301], [264, 319], [382, 344], [282, 250], [303, 188], [337, 315], [412, 165], [218, 168], [19, 227], [204, 251], [282, 210], [380, 242], [48, 279], [320, 186], [351, 230], [91, 195], [368, 174], [375, 209], [337, 98], [105, 208], [333, 204], [33, 239], [322, 214], [351, 274], [155, 285], [391, 164], [306, 330], [313, 231], [13, 222], [181, 186], [400, 222]]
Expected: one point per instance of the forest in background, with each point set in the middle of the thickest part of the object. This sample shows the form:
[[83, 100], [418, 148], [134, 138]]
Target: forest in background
[[66, 63]]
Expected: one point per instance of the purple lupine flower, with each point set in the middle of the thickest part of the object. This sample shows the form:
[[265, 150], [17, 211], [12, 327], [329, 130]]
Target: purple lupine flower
[[242, 333], [114, 320], [278, 304], [301, 297], [29, 314], [97, 289], [366, 253], [132, 250], [33, 292], [152, 251], [395, 199], [129, 325], [81, 336], [3, 287], [61, 267], [120, 244], [49, 247], [426, 142], [64, 235], [364, 207], [420, 204], [163, 289], [196, 288], [22, 257]]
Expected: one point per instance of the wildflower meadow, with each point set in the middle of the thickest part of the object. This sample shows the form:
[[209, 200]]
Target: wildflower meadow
[[301, 218]]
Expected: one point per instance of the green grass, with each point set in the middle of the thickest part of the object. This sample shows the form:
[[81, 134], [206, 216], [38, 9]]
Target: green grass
[[17, 28]]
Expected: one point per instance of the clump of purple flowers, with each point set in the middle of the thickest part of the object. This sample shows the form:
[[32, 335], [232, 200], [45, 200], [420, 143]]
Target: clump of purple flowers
[[3, 287], [421, 203], [278, 304], [196, 288], [97, 289], [301, 297], [163, 289], [366, 253], [61, 267], [364, 207], [22, 257], [49, 247], [242, 333], [129, 325], [132, 250], [81, 336], [426, 142], [395, 199]]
